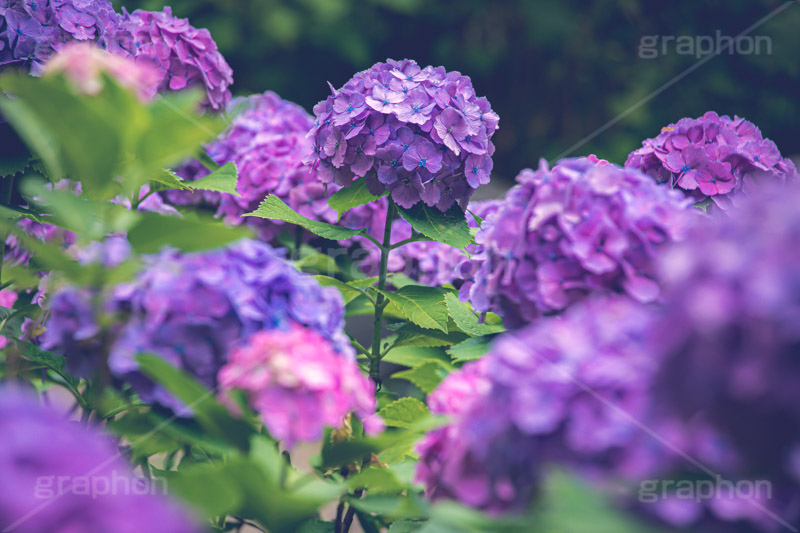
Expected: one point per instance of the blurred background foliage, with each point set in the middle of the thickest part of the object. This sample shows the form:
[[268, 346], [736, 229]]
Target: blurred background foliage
[[554, 70]]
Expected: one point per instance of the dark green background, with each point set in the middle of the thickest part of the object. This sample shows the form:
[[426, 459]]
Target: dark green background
[[554, 70]]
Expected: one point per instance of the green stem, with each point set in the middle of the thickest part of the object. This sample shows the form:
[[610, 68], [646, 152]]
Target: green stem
[[380, 301], [5, 200]]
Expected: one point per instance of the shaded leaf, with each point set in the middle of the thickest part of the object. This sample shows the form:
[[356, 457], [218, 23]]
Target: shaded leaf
[[471, 349], [353, 196], [274, 208], [466, 320], [426, 376], [424, 306], [404, 413], [449, 227]]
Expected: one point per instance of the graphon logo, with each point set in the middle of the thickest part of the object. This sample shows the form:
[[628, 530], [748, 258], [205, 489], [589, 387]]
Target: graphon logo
[[653, 490], [653, 46], [48, 487]]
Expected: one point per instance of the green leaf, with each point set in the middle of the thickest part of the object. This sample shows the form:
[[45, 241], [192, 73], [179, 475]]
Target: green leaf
[[211, 414], [189, 233], [413, 335], [317, 526], [466, 320], [471, 349], [449, 227], [143, 437], [405, 526], [222, 180], [411, 356], [10, 165], [365, 282], [353, 196], [209, 488], [51, 360], [175, 133], [273, 208], [168, 180], [703, 205], [404, 413], [348, 293], [569, 505], [317, 262], [376, 480], [60, 126], [426, 376], [424, 306]]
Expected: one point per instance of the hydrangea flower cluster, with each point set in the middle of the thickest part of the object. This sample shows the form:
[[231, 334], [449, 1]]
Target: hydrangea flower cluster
[[420, 133], [267, 141], [712, 157], [428, 262], [58, 477], [565, 389], [31, 32], [190, 309], [582, 227], [299, 384], [84, 64], [732, 299], [183, 54]]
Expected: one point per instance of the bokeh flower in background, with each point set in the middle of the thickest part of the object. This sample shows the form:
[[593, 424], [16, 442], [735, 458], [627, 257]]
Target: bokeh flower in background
[[712, 157], [299, 384], [582, 227], [730, 341], [566, 389], [421, 134], [190, 309], [267, 141], [62, 477], [84, 65]]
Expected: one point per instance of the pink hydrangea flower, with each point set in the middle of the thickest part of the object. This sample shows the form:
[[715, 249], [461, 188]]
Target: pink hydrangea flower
[[84, 64], [299, 384]]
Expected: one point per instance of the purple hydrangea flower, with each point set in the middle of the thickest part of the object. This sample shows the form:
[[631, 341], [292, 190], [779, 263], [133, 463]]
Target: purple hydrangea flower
[[192, 310], [712, 157], [299, 384], [566, 389], [267, 141], [415, 132], [727, 392], [582, 227], [32, 31], [58, 477], [184, 55]]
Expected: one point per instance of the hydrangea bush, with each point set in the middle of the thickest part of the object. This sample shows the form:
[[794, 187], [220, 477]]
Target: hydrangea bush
[[296, 322]]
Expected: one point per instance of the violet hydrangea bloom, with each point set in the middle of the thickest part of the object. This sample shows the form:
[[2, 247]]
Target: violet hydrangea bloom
[[421, 134], [62, 477], [267, 141], [712, 157], [730, 343], [192, 310], [566, 389], [31, 32], [184, 55], [299, 384], [582, 227]]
